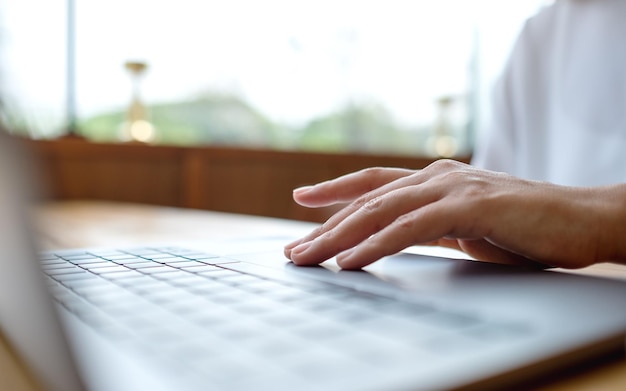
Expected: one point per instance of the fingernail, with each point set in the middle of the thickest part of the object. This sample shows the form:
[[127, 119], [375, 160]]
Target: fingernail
[[293, 244], [299, 249], [289, 247], [301, 190], [342, 256]]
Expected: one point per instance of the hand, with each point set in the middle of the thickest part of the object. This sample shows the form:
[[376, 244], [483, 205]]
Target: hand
[[491, 216]]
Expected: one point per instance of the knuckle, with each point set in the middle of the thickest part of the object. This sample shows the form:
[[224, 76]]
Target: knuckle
[[372, 171], [328, 235], [405, 221], [454, 177], [320, 230], [444, 165], [360, 202], [372, 205], [372, 175], [463, 181]]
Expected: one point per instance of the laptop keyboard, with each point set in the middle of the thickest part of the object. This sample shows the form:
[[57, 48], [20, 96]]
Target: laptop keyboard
[[238, 325]]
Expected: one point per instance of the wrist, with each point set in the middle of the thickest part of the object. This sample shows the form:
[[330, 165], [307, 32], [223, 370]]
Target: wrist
[[612, 240]]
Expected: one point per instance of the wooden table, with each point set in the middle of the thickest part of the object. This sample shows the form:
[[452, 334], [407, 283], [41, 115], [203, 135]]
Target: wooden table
[[94, 224]]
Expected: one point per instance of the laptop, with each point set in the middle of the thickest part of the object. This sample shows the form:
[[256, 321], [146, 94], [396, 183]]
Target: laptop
[[240, 317]]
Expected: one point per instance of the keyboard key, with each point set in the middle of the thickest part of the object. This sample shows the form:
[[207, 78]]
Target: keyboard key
[[130, 260], [74, 275], [143, 264], [121, 275], [120, 257], [109, 269], [95, 265], [84, 261], [207, 268], [182, 263], [155, 269]]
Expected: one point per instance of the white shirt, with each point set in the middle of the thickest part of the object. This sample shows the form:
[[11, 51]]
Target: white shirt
[[559, 110]]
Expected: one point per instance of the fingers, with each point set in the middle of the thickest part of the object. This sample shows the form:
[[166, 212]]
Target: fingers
[[348, 187], [418, 226], [427, 224], [368, 220], [386, 180], [485, 251], [393, 209]]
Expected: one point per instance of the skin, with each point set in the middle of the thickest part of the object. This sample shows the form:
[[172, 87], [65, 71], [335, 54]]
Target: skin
[[491, 216]]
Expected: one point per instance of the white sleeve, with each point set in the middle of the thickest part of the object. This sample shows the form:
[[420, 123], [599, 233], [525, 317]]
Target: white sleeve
[[495, 146]]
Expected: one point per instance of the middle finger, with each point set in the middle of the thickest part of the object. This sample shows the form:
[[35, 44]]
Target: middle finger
[[417, 178], [367, 220]]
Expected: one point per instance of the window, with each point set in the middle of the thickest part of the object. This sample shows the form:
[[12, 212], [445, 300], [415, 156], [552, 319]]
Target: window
[[394, 76]]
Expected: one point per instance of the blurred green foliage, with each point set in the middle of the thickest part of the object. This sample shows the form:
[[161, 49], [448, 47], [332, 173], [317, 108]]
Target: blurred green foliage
[[225, 119]]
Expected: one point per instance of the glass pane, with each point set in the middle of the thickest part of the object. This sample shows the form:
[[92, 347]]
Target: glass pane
[[33, 66], [329, 75], [394, 76]]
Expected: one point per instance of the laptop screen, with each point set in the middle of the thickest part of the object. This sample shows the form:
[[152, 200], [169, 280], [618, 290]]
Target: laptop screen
[[27, 318]]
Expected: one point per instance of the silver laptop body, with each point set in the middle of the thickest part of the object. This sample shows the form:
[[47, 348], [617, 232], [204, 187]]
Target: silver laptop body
[[226, 316]]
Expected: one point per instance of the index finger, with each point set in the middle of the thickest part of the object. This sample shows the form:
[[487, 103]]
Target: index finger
[[347, 187], [343, 189]]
